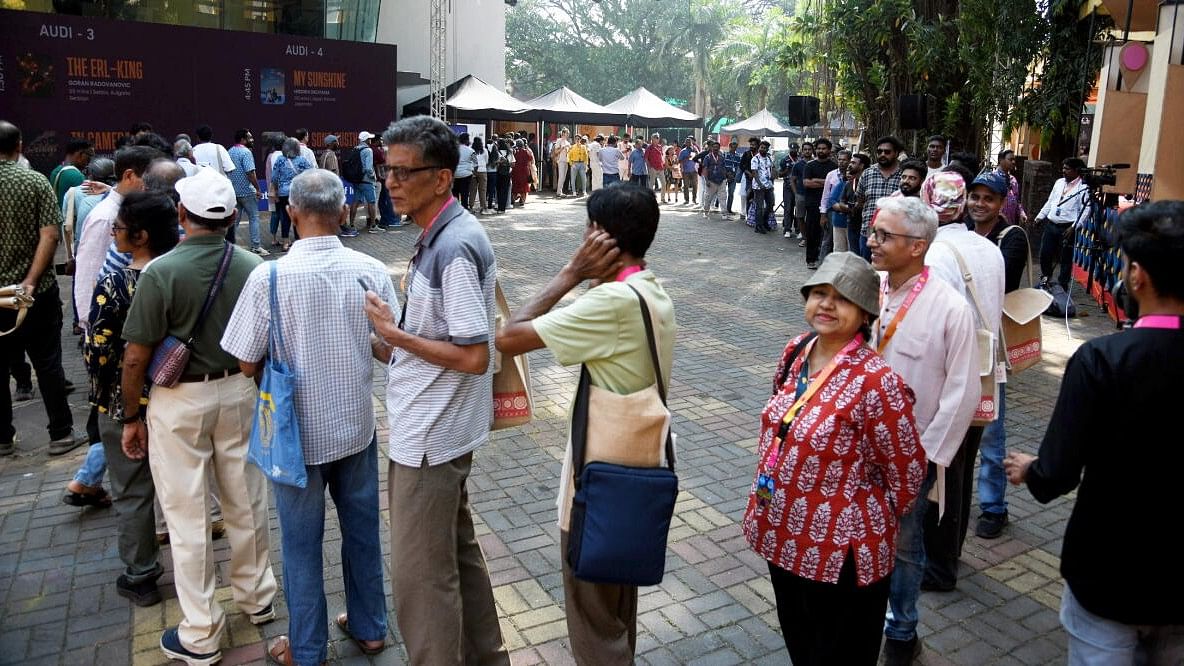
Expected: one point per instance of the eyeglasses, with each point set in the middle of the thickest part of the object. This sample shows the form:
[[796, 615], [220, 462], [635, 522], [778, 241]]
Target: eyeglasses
[[882, 236], [118, 227], [403, 174]]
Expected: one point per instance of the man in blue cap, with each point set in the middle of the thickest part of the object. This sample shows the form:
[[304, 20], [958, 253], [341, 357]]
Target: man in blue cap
[[984, 208]]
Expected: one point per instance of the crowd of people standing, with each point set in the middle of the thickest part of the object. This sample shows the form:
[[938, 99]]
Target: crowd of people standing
[[866, 449]]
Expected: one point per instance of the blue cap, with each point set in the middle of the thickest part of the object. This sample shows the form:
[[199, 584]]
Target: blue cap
[[332, 138], [993, 181]]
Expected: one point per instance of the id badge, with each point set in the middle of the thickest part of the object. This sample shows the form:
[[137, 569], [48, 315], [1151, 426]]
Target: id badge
[[765, 485], [1000, 373]]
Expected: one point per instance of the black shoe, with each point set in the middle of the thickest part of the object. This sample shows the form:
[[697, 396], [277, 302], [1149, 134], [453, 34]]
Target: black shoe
[[23, 393], [68, 386], [931, 584], [901, 653], [143, 593], [990, 525]]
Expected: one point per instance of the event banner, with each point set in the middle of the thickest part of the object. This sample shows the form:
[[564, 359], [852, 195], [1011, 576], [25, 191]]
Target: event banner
[[64, 76]]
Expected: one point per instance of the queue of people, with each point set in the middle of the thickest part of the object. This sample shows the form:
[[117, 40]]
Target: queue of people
[[863, 469]]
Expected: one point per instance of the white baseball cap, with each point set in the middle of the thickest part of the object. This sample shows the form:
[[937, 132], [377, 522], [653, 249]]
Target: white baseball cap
[[207, 194], [364, 136]]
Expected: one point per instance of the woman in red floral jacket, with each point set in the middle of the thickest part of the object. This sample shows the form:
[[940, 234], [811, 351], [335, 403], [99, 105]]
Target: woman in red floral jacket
[[840, 460]]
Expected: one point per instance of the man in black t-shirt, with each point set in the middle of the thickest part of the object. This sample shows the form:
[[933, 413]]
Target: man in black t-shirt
[[812, 184], [745, 165]]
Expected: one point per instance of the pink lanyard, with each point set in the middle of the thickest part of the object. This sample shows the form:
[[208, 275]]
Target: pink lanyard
[[908, 302], [1171, 322]]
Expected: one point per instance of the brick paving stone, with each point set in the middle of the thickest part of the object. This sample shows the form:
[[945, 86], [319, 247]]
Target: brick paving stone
[[737, 304]]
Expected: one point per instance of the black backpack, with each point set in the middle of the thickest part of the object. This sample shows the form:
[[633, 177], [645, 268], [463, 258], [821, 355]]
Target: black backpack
[[351, 166], [503, 164]]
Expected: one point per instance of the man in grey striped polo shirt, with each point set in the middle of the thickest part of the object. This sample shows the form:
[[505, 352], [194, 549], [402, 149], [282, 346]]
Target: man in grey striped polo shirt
[[439, 405]]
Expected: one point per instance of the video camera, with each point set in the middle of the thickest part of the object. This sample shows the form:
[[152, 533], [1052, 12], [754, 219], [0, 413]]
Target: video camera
[[1102, 175]]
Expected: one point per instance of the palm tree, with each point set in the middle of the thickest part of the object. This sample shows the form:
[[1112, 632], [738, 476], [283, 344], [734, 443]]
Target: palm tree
[[749, 58], [705, 26]]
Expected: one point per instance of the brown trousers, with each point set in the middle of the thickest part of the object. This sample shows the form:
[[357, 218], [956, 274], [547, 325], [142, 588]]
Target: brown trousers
[[443, 599], [601, 618]]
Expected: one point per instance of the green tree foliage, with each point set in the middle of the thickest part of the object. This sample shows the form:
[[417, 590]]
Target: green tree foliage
[[972, 57], [719, 55], [1069, 64]]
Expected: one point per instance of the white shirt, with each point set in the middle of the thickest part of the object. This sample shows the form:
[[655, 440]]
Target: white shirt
[[934, 351], [594, 149], [188, 167], [1066, 203], [213, 155], [984, 262], [307, 153], [562, 146], [92, 250]]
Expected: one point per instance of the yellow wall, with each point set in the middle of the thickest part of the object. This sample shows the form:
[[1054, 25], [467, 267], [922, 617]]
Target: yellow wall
[[1169, 167]]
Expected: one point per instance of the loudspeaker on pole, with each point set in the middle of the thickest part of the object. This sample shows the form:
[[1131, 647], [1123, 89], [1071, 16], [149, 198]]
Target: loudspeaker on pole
[[803, 110], [914, 112]]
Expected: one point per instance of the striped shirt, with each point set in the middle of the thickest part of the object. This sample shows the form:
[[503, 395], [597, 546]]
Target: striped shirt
[[326, 338], [437, 413]]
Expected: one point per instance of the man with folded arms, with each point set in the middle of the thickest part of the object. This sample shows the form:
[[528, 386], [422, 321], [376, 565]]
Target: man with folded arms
[[201, 423], [603, 330]]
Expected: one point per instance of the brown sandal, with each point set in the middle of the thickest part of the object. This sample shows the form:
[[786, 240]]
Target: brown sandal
[[367, 647]]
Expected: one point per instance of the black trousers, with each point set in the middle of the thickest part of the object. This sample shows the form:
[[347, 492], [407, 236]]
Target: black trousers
[[40, 336], [460, 189], [825, 624], [1056, 247], [503, 191], [813, 232], [943, 540], [764, 204]]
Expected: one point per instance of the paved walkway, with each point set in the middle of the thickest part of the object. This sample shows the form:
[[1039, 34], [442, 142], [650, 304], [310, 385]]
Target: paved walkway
[[737, 301]]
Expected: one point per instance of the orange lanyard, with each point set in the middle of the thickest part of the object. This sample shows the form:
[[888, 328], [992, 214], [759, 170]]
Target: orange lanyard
[[904, 308], [819, 382]]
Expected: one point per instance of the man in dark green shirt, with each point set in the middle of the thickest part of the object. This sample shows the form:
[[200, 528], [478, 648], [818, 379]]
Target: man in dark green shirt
[[70, 173], [201, 423], [29, 221]]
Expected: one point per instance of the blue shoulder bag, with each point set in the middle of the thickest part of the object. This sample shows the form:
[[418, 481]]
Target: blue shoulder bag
[[275, 436], [620, 515]]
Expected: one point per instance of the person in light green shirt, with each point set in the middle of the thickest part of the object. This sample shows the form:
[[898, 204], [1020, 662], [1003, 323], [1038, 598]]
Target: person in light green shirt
[[602, 329]]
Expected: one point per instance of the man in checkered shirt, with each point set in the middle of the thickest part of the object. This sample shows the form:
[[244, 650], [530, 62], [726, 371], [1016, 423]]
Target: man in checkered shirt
[[879, 181], [326, 343]]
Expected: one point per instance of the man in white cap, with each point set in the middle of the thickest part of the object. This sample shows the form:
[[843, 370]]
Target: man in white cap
[[364, 191], [201, 423]]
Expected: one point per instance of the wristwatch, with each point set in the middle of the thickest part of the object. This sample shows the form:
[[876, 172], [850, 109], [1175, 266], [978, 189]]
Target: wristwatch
[[130, 419]]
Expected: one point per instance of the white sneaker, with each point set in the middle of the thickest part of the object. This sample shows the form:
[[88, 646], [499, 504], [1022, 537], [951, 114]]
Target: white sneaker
[[260, 251], [788, 234]]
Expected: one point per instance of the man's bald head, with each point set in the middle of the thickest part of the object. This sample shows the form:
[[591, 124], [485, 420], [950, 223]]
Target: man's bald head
[[162, 176]]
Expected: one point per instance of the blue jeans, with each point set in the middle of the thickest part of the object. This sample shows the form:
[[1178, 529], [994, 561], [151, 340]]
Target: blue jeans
[[250, 205], [610, 178], [992, 481], [353, 484], [905, 588], [386, 208], [1096, 641], [855, 241], [91, 472]]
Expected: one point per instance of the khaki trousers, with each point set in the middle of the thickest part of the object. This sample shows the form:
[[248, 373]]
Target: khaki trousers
[[191, 428], [601, 618], [443, 599]]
